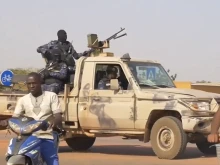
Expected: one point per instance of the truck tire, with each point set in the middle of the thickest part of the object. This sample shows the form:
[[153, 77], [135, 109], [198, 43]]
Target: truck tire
[[168, 139], [205, 148], [80, 143]]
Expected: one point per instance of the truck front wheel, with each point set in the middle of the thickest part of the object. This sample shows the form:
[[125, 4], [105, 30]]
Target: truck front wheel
[[168, 138], [80, 143]]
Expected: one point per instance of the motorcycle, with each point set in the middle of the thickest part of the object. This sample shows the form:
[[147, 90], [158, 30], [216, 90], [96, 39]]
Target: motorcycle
[[25, 148]]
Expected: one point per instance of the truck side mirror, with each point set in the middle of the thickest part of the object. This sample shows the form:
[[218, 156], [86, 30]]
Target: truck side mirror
[[114, 85]]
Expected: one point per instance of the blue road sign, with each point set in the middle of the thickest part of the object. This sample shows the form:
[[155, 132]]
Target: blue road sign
[[6, 77], [151, 73]]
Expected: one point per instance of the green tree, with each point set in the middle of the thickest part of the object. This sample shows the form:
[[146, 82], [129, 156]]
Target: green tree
[[203, 81], [1, 87], [23, 71]]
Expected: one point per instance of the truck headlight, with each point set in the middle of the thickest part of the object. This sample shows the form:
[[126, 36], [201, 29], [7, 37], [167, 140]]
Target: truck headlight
[[200, 105]]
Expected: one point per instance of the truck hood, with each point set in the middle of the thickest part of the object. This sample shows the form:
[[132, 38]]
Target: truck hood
[[185, 93]]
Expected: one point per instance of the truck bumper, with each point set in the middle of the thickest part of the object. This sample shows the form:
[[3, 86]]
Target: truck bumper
[[197, 124]]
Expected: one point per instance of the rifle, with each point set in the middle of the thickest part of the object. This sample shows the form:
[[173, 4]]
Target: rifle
[[48, 67]]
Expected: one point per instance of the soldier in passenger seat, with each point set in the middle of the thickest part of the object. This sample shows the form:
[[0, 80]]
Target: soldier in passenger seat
[[105, 81]]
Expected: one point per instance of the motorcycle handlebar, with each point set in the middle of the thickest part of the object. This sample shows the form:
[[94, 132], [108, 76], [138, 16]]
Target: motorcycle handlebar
[[46, 125], [60, 130]]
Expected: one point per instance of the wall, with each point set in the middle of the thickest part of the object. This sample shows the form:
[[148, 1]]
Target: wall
[[183, 84], [215, 88], [208, 87]]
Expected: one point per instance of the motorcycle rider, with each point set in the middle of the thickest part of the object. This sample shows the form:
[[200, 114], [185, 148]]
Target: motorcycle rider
[[41, 105], [55, 77]]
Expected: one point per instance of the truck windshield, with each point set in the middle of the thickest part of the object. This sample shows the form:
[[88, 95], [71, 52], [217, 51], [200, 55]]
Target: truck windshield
[[150, 75]]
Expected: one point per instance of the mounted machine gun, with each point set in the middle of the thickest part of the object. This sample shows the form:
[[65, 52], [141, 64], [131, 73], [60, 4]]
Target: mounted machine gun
[[97, 45]]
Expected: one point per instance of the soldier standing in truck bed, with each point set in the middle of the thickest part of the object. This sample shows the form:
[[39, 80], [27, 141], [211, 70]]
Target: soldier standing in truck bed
[[69, 53]]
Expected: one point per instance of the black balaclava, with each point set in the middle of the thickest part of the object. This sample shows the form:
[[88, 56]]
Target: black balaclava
[[62, 36]]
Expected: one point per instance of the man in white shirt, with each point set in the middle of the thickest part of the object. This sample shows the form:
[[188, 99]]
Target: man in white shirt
[[41, 105]]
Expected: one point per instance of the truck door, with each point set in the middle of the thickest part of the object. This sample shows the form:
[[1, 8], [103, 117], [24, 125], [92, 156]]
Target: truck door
[[107, 109]]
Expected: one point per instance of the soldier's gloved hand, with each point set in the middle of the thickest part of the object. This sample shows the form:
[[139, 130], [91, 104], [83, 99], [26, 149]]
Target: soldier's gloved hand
[[85, 53]]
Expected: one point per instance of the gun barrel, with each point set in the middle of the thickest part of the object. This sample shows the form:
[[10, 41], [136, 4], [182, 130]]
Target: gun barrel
[[41, 70], [115, 35], [121, 35], [48, 67]]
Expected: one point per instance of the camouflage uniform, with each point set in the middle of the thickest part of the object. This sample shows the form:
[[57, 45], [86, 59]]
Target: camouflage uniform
[[66, 46], [103, 83], [54, 80]]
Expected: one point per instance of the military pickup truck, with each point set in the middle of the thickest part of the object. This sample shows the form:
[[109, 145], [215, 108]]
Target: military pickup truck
[[142, 103]]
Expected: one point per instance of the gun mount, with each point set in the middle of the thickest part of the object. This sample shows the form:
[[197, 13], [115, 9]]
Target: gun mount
[[98, 46]]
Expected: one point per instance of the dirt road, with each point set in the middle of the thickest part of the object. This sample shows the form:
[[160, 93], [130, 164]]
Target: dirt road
[[109, 151]]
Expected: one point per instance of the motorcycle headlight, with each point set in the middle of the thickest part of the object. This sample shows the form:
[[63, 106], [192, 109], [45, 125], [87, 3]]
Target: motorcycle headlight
[[14, 127], [30, 128], [200, 105]]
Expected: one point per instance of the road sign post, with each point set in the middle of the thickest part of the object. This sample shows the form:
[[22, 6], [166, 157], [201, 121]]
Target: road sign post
[[6, 77]]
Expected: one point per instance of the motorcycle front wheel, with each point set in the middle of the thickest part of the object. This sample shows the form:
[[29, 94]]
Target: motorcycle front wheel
[[18, 160]]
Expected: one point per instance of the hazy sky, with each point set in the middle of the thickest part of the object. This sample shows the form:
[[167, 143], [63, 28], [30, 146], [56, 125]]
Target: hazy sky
[[184, 35]]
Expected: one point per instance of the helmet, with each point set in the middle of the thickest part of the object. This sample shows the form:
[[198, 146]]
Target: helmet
[[111, 69]]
